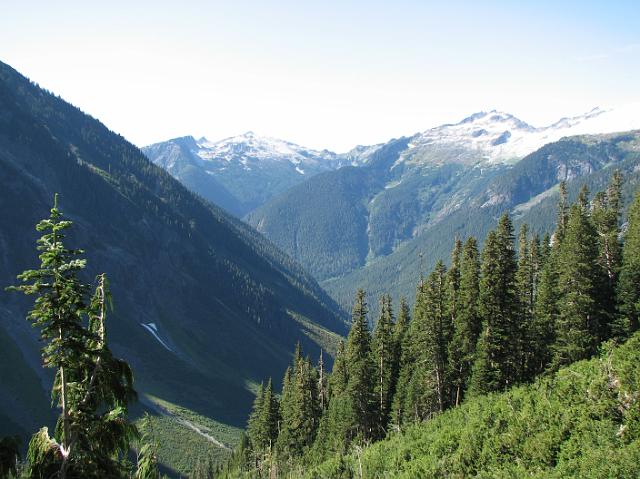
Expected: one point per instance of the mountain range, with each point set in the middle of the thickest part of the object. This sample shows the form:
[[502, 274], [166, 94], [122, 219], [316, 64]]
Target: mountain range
[[244, 172], [379, 215]]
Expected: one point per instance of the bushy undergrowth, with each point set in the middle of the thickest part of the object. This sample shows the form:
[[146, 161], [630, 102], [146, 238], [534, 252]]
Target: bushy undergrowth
[[584, 421]]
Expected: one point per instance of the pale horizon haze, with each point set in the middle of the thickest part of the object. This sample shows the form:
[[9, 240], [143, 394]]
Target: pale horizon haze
[[323, 74]]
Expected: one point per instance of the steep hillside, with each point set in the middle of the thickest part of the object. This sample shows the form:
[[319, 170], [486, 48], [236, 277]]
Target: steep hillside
[[242, 172], [204, 306], [528, 190], [403, 211], [582, 422]]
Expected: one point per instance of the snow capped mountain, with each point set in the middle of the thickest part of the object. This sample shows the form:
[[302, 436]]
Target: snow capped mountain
[[254, 151], [498, 137], [241, 172], [245, 171]]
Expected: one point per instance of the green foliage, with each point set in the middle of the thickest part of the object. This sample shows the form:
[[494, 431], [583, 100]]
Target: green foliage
[[91, 387], [628, 290], [579, 318], [466, 323], [567, 425], [520, 303], [147, 460], [385, 360], [299, 409], [360, 373], [427, 392], [498, 362]]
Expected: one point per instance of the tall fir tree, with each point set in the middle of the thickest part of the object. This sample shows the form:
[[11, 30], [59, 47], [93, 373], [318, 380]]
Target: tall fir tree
[[299, 408], [338, 379], [606, 218], [499, 360], [526, 297], [428, 389], [91, 387], [404, 356], [361, 372], [628, 289], [467, 325], [323, 390], [384, 359], [563, 209], [577, 327], [262, 428], [540, 334]]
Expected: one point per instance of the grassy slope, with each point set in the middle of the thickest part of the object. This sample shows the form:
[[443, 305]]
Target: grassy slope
[[583, 421]]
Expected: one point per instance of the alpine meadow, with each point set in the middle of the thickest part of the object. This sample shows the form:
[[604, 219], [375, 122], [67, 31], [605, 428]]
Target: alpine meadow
[[331, 240]]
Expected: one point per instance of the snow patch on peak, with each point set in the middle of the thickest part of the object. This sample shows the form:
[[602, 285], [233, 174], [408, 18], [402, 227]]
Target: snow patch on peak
[[498, 136]]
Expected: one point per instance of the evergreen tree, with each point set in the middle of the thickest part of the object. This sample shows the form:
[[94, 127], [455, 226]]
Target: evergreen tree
[[428, 388], [337, 382], [526, 290], [360, 371], [498, 307], [606, 218], [323, 393], [563, 209], [404, 356], [541, 334], [628, 289], [384, 359], [467, 326], [262, 428], [254, 426], [91, 387], [299, 408], [352, 412], [579, 277]]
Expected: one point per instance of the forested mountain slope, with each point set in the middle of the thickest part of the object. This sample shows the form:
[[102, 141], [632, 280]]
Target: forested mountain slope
[[242, 172], [582, 422], [379, 224], [204, 306]]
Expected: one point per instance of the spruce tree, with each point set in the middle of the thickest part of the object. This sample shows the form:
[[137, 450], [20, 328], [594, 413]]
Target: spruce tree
[[91, 387], [628, 288], [578, 325], [563, 209], [384, 359], [253, 425], [526, 290], [499, 359], [467, 325], [360, 371], [606, 218], [541, 334], [299, 408], [323, 390], [428, 390], [404, 356], [337, 382]]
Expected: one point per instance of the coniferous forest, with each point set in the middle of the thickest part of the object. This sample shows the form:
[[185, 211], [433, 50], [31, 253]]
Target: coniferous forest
[[511, 317], [319, 240]]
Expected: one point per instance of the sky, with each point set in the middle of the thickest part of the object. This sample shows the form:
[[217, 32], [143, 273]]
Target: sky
[[323, 74]]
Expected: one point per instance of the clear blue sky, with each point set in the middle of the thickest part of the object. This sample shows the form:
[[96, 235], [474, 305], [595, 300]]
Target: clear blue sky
[[325, 74]]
